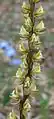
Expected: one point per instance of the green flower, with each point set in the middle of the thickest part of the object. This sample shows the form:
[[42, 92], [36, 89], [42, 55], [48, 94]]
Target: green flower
[[39, 12], [26, 8], [27, 82], [12, 115], [37, 56], [36, 69], [33, 87], [23, 33], [35, 42], [15, 94], [34, 38], [21, 72], [28, 24], [40, 28], [22, 48], [26, 15], [26, 106]]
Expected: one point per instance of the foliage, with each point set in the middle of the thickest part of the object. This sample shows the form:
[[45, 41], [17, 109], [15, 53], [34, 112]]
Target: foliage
[[31, 58]]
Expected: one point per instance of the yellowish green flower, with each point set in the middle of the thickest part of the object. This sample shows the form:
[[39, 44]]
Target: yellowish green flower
[[40, 28], [26, 15], [37, 56], [28, 24], [25, 8], [33, 87], [34, 38], [23, 33], [12, 115], [15, 94], [35, 42], [27, 82], [39, 12], [36, 69], [22, 48], [27, 106]]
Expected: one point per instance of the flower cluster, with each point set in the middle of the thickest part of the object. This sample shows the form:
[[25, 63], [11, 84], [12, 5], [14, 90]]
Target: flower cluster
[[31, 56]]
